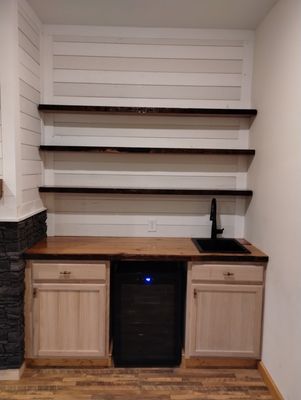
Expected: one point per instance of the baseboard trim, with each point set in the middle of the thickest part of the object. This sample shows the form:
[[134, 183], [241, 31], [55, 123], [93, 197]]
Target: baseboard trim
[[215, 362], [12, 374], [67, 363], [268, 380]]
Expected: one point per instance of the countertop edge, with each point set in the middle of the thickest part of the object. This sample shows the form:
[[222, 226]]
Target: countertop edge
[[130, 248], [109, 257]]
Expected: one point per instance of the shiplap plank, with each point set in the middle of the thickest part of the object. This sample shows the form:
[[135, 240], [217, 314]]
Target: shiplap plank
[[30, 152], [28, 47], [126, 219], [29, 77], [30, 123], [30, 195], [151, 205], [147, 121], [30, 138], [146, 102], [27, 29], [149, 40], [29, 107], [130, 180], [147, 78], [29, 62], [144, 91], [147, 64], [149, 51], [31, 181], [148, 142], [30, 167], [162, 164], [29, 92], [137, 132]]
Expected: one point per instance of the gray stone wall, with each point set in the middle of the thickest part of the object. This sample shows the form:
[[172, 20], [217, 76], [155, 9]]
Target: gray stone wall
[[15, 238]]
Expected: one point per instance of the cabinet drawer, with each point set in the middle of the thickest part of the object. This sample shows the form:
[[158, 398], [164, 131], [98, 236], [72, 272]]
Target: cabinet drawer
[[68, 271], [227, 273]]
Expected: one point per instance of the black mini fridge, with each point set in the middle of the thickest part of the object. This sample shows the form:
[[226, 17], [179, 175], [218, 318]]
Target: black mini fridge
[[147, 313]]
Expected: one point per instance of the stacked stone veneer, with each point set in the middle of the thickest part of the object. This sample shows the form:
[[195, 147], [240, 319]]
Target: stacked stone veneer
[[15, 238]]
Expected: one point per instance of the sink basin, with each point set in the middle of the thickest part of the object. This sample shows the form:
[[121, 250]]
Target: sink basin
[[219, 245]]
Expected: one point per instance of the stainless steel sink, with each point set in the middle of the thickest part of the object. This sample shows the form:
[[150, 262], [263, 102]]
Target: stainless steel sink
[[223, 245]]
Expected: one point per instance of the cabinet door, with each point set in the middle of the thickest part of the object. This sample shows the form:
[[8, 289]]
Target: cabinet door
[[225, 320], [69, 320]]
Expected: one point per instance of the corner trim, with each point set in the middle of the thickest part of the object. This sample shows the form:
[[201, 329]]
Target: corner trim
[[268, 380], [25, 216], [12, 374]]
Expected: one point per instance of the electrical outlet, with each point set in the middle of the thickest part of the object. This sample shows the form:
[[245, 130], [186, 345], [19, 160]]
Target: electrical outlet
[[152, 225]]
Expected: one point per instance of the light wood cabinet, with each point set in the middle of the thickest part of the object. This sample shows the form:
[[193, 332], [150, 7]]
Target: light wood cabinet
[[224, 311], [69, 313]]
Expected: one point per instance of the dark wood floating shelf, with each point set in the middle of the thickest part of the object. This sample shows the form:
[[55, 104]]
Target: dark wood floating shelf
[[146, 150], [197, 192], [189, 112]]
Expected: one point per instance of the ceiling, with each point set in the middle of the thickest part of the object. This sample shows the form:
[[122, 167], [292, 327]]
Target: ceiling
[[215, 14]]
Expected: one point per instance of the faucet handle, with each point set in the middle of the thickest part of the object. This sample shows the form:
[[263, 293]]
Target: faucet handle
[[219, 231]]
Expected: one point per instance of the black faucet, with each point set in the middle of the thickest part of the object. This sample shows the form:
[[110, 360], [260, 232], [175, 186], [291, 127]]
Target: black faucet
[[214, 230]]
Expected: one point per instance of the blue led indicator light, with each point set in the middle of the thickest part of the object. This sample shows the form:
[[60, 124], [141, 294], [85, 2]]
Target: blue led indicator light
[[148, 280]]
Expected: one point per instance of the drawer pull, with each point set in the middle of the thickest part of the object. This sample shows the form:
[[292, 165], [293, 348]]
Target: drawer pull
[[65, 273], [228, 274]]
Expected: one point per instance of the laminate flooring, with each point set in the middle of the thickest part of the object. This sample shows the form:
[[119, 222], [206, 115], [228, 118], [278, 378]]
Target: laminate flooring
[[134, 384]]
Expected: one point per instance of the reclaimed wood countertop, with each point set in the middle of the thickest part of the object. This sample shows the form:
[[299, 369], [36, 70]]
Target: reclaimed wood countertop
[[112, 248]]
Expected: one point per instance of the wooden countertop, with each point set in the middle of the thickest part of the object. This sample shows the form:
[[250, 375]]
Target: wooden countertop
[[109, 248]]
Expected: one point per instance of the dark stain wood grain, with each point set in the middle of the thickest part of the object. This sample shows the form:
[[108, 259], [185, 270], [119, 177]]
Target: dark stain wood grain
[[146, 150], [136, 191], [132, 248], [203, 112]]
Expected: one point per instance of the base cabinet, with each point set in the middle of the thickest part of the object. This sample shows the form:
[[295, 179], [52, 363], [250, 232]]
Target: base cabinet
[[68, 310], [69, 320], [224, 312]]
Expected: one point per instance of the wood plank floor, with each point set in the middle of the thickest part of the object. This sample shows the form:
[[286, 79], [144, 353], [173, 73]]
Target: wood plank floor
[[134, 384]]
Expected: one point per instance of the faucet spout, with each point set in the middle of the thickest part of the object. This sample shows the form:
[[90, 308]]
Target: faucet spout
[[214, 230]]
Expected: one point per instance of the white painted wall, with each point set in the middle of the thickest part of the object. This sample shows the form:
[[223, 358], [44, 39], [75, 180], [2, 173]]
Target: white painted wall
[[147, 67], [1, 156], [29, 37], [20, 122], [154, 68], [9, 108], [274, 216]]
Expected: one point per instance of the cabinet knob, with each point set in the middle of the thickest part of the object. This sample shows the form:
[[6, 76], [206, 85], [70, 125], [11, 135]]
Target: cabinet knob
[[65, 273], [228, 273]]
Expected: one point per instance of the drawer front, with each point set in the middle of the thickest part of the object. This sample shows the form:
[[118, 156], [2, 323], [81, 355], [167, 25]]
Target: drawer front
[[68, 271], [227, 273]]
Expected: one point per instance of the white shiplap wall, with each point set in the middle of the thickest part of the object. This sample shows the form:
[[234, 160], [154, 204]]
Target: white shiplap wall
[[29, 31], [1, 155], [145, 67]]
